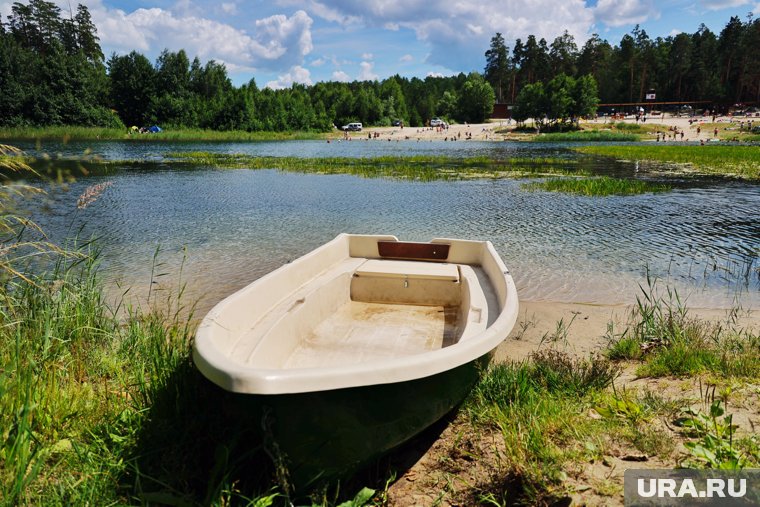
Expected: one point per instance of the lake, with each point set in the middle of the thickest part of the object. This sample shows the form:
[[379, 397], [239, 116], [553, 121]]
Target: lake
[[222, 228]]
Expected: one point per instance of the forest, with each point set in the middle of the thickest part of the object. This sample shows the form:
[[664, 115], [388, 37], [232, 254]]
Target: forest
[[53, 72], [703, 66]]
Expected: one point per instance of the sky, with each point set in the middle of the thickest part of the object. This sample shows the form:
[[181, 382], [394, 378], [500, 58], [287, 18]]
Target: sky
[[281, 42]]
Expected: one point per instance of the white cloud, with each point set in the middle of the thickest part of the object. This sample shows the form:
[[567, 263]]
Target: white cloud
[[406, 58], [229, 8], [434, 74], [276, 42], [675, 32], [297, 74], [341, 76], [460, 29], [366, 74], [367, 56], [716, 5], [625, 12], [322, 10]]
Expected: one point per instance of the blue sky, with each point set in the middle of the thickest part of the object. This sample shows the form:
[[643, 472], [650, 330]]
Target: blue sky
[[279, 42]]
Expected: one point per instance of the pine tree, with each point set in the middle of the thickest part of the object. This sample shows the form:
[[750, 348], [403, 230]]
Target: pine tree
[[497, 66]]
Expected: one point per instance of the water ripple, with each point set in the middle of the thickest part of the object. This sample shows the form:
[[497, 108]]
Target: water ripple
[[232, 226]]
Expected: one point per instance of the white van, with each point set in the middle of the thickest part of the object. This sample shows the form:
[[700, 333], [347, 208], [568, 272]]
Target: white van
[[353, 127]]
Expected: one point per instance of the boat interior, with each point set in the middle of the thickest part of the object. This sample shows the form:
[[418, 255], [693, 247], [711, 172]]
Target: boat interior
[[362, 309]]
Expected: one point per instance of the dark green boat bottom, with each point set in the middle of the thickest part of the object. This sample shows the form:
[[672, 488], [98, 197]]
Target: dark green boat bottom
[[329, 435]]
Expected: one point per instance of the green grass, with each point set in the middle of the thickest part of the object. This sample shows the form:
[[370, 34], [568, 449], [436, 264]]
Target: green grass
[[99, 409], [424, 168], [71, 133], [539, 407], [598, 186], [738, 161], [588, 136], [667, 341], [76, 386]]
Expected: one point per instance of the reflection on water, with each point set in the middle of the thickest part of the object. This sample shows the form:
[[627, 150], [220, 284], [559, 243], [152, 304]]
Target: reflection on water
[[236, 225]]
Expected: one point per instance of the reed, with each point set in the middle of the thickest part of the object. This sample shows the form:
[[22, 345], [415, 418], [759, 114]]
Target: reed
[[735, 161], [598, 186]]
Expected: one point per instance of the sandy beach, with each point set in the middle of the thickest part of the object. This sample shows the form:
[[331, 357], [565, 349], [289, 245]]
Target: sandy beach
[[500, 130]]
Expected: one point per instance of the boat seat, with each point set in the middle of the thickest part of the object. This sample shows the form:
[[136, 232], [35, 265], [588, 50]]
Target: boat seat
[[408, 269]]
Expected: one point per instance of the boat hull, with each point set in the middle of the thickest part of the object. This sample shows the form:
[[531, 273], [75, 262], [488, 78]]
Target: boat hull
[[328, 435]]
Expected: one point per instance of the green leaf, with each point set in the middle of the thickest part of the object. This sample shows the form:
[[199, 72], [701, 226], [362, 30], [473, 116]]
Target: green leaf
[[361, 499]]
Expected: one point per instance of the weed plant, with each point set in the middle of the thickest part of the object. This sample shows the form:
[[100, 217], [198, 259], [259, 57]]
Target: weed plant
[[715, 443]]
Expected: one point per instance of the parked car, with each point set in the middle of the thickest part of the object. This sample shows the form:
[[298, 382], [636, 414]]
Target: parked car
[[396, 123], [353, 127], [437, 122]]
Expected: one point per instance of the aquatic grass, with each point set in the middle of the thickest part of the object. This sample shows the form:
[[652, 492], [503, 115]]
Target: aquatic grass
[[598, 186], [74, 133], [738, 161], [424, 168]]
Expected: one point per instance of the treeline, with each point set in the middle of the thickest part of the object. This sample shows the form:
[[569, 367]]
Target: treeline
[[53, 72], [685, 67], [178, 92]]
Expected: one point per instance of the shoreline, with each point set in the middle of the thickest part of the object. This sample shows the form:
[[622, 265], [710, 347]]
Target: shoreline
[[493, 130], [496, 130], [584, 328]]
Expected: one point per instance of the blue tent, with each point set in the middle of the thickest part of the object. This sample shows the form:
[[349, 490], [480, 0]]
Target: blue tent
[[154, 129]]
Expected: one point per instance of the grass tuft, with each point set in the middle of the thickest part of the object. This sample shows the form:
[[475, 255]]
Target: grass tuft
[[538, 406], [598, 186], [670, 342]]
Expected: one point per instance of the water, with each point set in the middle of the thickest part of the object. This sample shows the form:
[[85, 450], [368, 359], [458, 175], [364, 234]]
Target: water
[[154, 151], [232, 226]]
